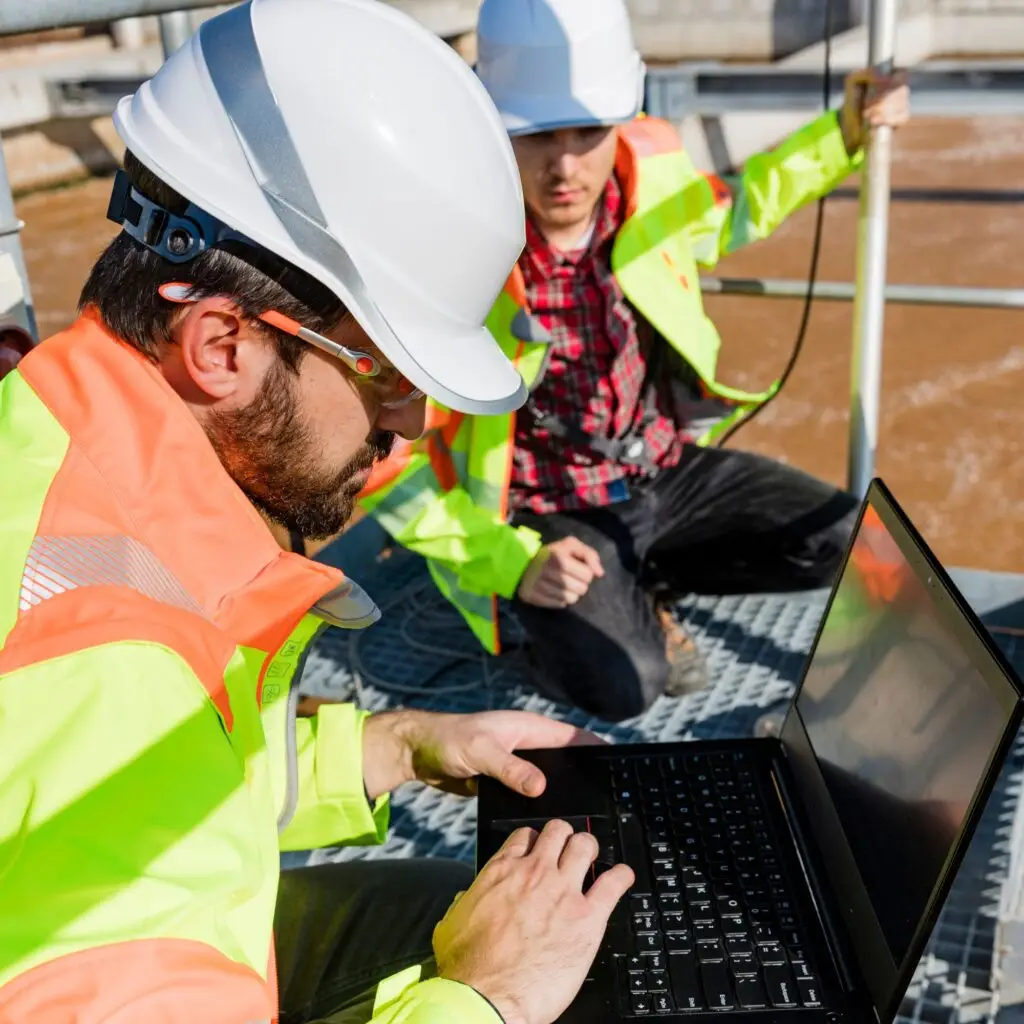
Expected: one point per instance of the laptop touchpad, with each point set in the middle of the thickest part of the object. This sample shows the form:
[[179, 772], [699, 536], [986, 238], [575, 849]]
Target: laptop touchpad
[[598, 825]]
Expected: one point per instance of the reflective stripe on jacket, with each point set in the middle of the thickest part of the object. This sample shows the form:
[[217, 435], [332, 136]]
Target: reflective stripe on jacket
[[151, 631], [446, 496]]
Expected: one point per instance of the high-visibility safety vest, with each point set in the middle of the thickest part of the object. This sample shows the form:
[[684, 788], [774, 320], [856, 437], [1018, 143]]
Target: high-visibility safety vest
[[446, 495], [151, 767]]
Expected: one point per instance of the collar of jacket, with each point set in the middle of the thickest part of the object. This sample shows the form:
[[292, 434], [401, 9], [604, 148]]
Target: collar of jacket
[[159, 480]]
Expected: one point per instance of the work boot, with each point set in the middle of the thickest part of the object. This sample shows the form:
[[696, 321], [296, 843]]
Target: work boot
[[688, 668]]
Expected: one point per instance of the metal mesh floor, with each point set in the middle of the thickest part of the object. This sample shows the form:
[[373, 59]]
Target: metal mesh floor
[[421, 655]]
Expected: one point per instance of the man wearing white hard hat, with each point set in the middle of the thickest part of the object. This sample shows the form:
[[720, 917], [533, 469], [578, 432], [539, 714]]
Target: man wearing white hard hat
[[267, 320], [610, 469]]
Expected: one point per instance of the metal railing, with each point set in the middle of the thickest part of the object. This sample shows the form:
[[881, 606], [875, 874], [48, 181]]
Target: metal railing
[[940, 88], [18, 16], [841, 291], [974, 89]]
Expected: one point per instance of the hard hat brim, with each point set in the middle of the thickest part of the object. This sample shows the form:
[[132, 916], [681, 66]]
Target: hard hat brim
[[461, 367], [517, 126], [614, 102]]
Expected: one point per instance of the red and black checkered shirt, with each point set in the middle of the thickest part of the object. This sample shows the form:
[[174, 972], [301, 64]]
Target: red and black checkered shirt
[[595, 376]]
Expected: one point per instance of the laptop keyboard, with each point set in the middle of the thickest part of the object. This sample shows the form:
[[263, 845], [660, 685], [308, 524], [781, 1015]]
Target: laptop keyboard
[[712, 919]]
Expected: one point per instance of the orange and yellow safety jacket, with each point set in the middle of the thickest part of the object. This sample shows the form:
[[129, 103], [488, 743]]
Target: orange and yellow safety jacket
[[151, 770]]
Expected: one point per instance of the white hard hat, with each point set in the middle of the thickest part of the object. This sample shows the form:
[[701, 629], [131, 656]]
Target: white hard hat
[[348, 140], [559, 63]]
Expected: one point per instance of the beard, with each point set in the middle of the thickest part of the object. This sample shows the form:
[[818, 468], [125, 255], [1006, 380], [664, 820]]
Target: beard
[[272, 455]]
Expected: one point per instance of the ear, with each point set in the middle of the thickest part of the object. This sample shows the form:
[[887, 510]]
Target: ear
[[223, 356]]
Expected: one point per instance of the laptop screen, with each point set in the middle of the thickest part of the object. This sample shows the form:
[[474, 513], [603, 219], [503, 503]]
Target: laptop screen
[[902, 722]]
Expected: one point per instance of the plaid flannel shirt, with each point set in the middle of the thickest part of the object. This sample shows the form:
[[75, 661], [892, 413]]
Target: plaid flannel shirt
[[595, 375]]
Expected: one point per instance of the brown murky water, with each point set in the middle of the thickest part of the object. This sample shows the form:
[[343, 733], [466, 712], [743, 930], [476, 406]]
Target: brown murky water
[[951, 413]]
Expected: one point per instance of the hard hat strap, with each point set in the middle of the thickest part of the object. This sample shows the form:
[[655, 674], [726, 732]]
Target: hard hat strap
[[177, 238]]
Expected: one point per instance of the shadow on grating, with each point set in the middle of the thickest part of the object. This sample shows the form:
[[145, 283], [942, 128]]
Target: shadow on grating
[[422, 655]]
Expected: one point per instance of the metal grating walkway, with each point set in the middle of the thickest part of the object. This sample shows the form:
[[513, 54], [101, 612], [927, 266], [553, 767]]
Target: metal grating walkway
[[421, 655]]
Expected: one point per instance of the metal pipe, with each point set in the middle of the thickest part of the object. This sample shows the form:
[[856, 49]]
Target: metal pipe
[[129, 33], [872, 253], [950, 89], [843, 291], [175, 31], [38, 15], [10, 243], [95, 93], [945, 195]]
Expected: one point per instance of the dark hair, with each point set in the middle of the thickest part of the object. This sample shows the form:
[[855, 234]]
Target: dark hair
[[123, 283]]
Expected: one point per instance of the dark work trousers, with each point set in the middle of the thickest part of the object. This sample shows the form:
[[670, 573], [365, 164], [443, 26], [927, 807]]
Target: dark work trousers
[[721, 522], [339, 929]]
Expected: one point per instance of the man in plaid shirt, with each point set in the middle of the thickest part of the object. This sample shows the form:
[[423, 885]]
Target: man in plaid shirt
[[608, 491], [713, 520]]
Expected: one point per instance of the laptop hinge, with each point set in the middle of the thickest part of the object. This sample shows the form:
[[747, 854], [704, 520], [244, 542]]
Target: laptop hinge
[[836, 941]]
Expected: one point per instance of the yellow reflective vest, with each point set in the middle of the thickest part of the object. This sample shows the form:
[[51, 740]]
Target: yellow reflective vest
[[151, 767]]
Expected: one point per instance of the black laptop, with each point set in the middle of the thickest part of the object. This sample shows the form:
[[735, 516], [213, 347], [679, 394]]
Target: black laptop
[[799, 876]]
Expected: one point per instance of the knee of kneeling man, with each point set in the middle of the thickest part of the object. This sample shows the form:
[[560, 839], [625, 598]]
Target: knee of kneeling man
[[629, 698]]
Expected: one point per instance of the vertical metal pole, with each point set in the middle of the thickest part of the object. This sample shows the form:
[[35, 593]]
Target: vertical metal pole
[[10, 243], [129, 33], [175, 31], [872, 246]]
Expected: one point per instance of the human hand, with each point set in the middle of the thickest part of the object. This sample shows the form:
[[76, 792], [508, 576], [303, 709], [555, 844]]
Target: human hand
[[873, 100], [450, 751], [560, 574], [524, 934]]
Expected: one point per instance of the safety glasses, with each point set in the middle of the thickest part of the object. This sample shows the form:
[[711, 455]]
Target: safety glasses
[[395, 389]]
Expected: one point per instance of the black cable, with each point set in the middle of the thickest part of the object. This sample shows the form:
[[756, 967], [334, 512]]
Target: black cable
[[812, 273]]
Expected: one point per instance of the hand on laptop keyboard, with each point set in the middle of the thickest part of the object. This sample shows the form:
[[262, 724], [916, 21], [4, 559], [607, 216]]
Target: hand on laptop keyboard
[[524, 934]]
